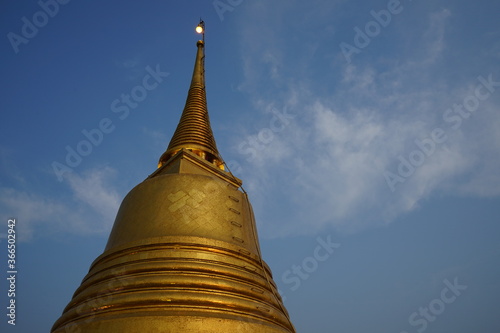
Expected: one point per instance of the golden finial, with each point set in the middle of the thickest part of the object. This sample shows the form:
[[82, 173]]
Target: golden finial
[[193, 131]]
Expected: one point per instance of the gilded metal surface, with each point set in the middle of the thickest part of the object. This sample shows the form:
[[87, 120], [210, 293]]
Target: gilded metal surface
[[194, 131], [183, 256]]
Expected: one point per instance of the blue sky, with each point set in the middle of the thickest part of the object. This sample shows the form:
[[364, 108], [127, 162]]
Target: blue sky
[[369, 125]]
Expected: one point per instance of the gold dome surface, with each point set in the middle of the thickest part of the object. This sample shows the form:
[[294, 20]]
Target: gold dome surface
[[183, 254]]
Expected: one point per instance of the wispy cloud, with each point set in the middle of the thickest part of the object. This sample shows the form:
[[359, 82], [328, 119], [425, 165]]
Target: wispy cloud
[[90, 209], [93, 189], [434, 37], [329, 163]]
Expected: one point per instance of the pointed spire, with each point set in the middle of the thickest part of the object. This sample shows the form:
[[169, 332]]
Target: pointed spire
[[193, 263], [193, 131]]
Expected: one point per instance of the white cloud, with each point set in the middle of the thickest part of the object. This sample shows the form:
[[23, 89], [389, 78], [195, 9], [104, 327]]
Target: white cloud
[[31, 210], [333, 173], [434, 37], [327, 167], [90, 210], [92, 190]]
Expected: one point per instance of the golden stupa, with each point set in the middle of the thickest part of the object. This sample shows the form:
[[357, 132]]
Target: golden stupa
[[183, 254]]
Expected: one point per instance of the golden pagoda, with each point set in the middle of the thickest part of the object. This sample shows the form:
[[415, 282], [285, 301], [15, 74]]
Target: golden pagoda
[[183, 254]]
